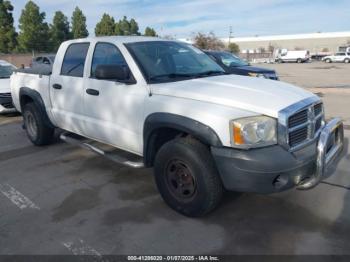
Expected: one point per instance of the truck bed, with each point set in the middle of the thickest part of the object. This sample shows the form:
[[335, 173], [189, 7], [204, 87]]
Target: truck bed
[[36, 79], [37, 70]]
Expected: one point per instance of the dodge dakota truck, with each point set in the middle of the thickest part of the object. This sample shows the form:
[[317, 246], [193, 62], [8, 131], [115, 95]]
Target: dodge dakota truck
[[171, 107]]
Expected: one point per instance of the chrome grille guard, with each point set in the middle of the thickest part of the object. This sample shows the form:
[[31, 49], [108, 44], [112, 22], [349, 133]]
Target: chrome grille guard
[[332, 132]]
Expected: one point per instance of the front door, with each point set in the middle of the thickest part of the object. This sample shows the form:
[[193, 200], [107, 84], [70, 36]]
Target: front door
[[113, 110]]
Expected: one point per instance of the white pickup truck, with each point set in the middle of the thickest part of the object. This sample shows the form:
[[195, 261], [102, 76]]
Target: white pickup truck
[[171, 105]]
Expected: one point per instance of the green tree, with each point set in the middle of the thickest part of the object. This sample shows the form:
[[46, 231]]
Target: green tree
[[34, 31], [106, 26], [124, 26], [150, 31], [209, 42], [59, 30], [79, 29], [7, 31], [134, 27], [117, 29], [234, 48]]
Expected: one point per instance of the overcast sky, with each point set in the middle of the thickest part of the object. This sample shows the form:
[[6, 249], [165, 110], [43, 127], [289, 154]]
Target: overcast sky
[[182, 18]]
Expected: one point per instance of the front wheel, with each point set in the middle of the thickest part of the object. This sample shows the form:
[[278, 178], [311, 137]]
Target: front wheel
[[347, 61], [37, 130], [299, 61], [187, 178], [328, 61]]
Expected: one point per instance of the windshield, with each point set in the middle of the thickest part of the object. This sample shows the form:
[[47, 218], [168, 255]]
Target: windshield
[[6, 71], [52, 58], [167, 61], [229, 59]]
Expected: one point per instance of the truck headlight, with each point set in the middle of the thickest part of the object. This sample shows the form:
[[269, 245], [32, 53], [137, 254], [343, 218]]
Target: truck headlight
[[252, 132], [257, 75]]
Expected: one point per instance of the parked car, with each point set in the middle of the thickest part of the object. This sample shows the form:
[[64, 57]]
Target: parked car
[[285, 56], [234, 65], [173, 108], [338, 57], [43, 61], [6, 70]]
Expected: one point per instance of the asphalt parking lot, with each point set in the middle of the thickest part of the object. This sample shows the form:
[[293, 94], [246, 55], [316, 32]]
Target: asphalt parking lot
[[314, 75], [64, 200]]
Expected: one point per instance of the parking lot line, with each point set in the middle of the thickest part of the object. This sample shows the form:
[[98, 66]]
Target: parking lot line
[[80, 248], [17, 197]]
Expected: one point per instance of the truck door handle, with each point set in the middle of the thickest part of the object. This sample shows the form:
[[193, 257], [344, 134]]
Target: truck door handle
[[57, 86], [92, 92]]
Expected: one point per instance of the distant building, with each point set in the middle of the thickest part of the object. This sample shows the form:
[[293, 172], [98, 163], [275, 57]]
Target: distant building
[[315, 42]]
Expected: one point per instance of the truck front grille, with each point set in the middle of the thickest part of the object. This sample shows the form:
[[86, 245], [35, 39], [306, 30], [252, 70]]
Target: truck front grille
[[298, 119], [318, 109], [6, 100], [5, 95], [298, 136], [300, 124], [305, 125], [7, 105]]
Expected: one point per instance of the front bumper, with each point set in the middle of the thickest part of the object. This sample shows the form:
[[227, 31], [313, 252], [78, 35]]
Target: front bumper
[[274, 169], [271, 76], [6, 105]]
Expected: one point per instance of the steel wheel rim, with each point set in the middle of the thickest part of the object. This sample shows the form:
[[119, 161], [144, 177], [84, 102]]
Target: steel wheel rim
[[31, 125], [180, 180]]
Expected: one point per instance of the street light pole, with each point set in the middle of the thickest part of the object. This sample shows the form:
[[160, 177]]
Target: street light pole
[[230, 35]]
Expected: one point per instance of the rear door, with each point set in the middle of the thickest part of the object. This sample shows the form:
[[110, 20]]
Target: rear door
[[67, 88], [339, 57]]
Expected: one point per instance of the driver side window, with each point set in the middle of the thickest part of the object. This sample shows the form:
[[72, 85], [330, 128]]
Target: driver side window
[[106, 54]]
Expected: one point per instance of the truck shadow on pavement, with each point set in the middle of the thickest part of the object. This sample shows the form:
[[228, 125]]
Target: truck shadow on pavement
[[264, 224], [252, 223]]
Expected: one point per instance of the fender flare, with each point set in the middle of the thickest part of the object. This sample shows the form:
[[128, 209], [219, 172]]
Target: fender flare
[[38, 102], [155, 121]]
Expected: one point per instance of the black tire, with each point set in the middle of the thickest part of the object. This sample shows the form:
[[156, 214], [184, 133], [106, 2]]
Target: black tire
[[328, 61], [299, 61], [38, 132], [347, 61], [203, 189]]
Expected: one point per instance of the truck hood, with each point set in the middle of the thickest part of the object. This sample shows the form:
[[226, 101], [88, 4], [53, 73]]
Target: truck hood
[[247, 93], [5, 85]]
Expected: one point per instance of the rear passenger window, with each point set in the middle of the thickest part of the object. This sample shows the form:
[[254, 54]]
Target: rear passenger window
[[74, 60], [106, 54]]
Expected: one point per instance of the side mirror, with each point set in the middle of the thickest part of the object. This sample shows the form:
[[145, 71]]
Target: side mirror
[[114, 72]]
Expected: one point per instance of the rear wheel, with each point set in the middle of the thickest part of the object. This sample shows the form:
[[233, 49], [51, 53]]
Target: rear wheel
[[187, 178], [37, 130], [347, 61], [299, 60]]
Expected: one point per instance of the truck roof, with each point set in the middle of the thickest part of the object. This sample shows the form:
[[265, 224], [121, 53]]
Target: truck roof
[[120, 39]]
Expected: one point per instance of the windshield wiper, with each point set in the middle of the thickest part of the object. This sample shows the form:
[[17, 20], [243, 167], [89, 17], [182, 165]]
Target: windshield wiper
[[172, 75], [211, 72]]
